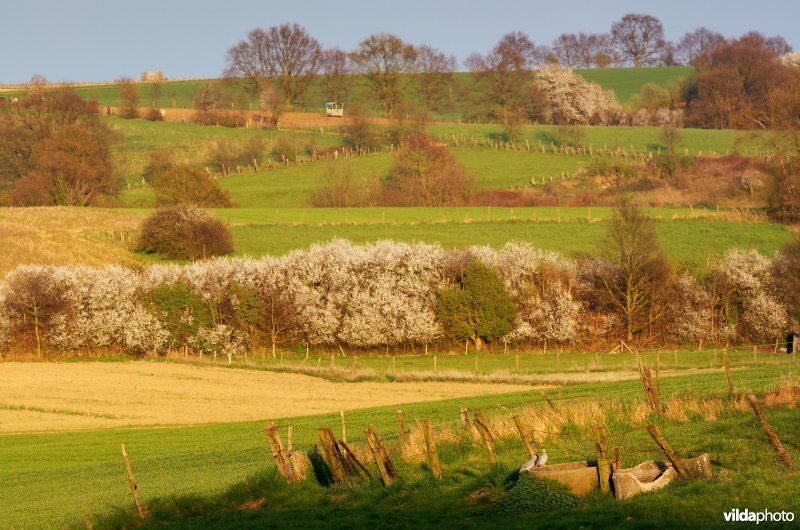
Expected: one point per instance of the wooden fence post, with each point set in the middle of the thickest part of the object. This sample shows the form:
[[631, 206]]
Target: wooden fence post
[[465, 417], [776, 442], [433, 456], [603, 465], [653, 399], [526, 439], [488, 439], [550, 403], [282, 461], [344, 432], [132, 482], [332, 453], [402, 425], [673, 457], [354, 459], [727, 364], [382, 460]]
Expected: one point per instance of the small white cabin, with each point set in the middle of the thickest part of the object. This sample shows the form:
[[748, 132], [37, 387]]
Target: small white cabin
[[334, 109]]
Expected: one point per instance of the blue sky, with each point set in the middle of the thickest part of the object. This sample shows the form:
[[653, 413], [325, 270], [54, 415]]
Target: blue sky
[[86, 40]]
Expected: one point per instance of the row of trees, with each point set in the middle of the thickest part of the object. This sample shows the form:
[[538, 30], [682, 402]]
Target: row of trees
[[287, 59], [408, 295]]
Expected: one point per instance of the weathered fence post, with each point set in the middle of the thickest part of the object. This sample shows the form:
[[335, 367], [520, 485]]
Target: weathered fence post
[[603, 465], [672, 456], [433, 456], [727, 371], [402, 425], [488, 439], [776, 442], [382, 460], [465, 417], [285, 467], [332, 453], [132, 482], [653, 399], [526, 439]]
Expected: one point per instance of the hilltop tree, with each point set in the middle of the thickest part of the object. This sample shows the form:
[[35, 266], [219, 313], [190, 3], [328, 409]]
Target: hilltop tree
[[733, 83], [638, 38], [505, 74], [436, 79], [566, 49], [695, 44], [335, 74], [129, 93], [286, 54], [383, 58]]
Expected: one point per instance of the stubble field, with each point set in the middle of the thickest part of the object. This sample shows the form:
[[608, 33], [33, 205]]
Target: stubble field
[[37, 397]]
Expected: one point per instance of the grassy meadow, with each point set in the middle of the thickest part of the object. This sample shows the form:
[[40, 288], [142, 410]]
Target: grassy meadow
[[625, 82], [222, 474]]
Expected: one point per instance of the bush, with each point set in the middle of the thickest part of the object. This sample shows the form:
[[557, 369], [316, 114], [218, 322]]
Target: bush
[[479, 308], [188, 184], [184, 232], [287, 147], [153, 114], [425, 173], [181, 311], [530, 494]]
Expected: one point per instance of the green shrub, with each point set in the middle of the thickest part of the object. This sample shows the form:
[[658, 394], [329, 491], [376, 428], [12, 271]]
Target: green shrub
[[184, 232], [187, 184], [181, 311], [531, 494], [479, 308]]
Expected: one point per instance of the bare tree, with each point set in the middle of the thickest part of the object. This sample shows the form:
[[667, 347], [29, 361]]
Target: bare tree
[[425, 173], [695, 43], [589, 46], [129, 93], [506, 75], [286, 54], [436, 79], [383, 58], [639, 38], [643, 273], [335, 70], [779, 45], [566, 49]]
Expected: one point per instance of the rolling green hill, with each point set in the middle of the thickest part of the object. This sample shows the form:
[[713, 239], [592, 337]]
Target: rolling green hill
[[623, 81]]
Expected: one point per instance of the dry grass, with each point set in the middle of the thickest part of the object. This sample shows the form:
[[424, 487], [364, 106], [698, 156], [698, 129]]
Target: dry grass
[[65, 236], [74, 396]]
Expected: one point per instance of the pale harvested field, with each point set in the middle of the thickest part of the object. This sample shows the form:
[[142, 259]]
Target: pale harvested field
[[66, 236], [74, 396]]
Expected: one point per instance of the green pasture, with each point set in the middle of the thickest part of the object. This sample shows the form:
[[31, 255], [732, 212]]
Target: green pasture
[[640, 139], [179, 93], [508, 363], [690, 243], [626, 82], [203, 475]]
